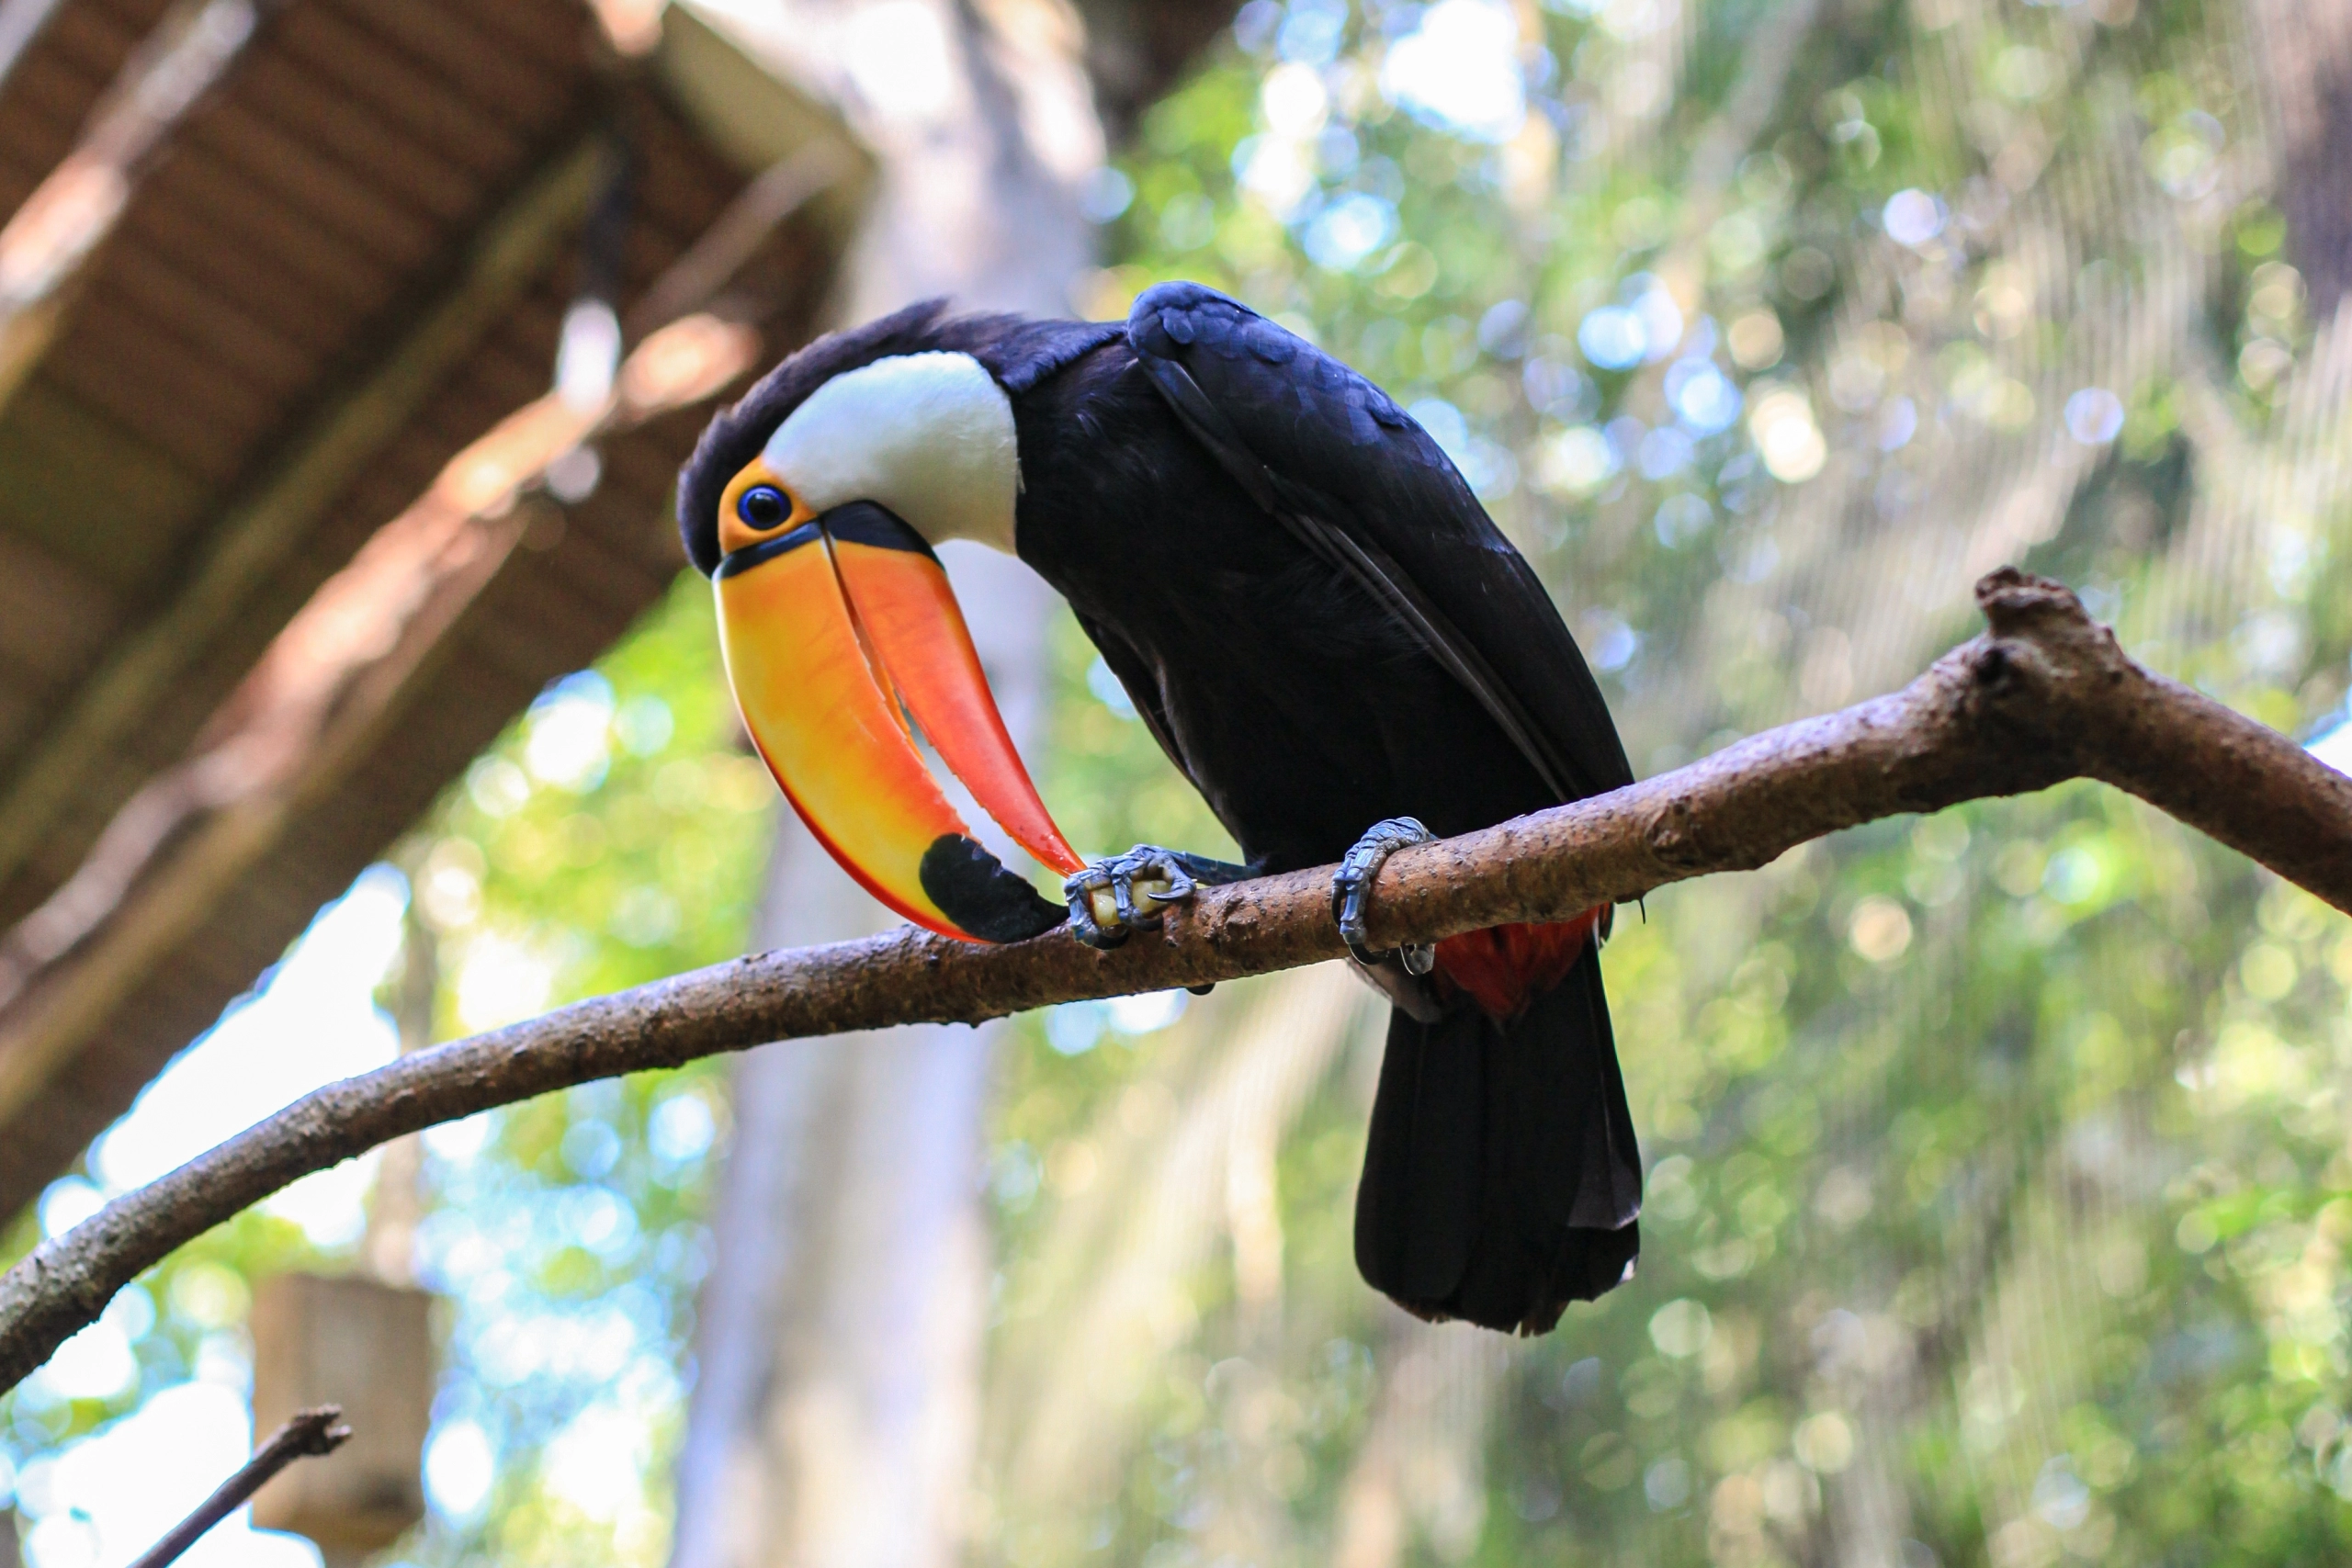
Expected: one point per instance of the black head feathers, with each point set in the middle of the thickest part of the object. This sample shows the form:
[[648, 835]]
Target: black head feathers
[[1018, 352], [736, 435]]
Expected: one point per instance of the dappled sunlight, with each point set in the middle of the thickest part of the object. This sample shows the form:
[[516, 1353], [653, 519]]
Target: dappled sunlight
[[312, 1020], [102, 1501], [1459, 69], [1999, 1193]]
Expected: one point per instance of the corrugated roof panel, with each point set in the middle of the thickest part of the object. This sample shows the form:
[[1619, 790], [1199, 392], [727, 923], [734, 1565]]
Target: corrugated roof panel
[[370, 148], [221, 260], [51, 614], [242, 343], [220, 207], [142, 380], [315, 184], [449, 42], [57, 79], [554, 36], [47, 101], [406, 93], [94, 40], [90, 492], [300, 225]]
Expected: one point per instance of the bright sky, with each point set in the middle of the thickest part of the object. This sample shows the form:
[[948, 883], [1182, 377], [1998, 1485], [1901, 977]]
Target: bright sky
[[313, 1022], [108, 1498], [1459, 70], [2334, 748], [104, 1500]]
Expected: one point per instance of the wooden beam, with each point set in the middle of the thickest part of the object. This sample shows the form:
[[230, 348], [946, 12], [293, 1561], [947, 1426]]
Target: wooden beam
[[21, 23], [47, 243], [309, 711], [257, 530]]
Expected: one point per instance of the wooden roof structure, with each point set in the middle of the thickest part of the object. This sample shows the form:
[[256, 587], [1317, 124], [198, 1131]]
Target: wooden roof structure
[[278, 307]]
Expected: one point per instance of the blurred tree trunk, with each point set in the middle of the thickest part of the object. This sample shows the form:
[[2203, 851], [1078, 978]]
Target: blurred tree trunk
[[835, 1414], [2306, 57]]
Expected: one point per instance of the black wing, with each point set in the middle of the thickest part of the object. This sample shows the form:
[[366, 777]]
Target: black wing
[[1336, 460], [1135, 677]]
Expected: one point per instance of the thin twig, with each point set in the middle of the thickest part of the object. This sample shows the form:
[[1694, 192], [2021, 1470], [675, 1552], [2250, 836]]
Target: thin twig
[[2045, 695], [319, 1431]]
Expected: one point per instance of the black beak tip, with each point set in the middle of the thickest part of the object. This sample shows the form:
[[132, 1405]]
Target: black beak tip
[[973, 888]]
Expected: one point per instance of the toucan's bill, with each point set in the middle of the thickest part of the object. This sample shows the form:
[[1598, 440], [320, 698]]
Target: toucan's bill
[[828, 623]]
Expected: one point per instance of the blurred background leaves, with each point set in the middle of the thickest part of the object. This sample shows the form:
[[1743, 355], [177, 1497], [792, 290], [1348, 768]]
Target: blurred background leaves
[[1999, 1184]]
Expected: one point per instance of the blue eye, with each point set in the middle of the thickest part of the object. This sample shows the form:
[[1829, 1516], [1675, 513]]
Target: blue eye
[[764, 507]]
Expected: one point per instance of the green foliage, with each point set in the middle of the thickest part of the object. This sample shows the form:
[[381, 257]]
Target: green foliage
[[1998, 1177], [617, 835], [1998, 1190]]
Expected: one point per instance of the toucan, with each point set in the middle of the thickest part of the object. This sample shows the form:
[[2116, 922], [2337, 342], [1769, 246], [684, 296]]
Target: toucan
[[1324, 633]]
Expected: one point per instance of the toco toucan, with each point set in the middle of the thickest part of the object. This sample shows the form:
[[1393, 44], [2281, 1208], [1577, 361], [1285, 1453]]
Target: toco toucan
[[1323, 630]]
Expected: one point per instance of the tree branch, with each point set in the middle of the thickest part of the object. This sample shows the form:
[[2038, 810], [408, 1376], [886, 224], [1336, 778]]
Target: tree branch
[[2045, 695], [306, 1433]]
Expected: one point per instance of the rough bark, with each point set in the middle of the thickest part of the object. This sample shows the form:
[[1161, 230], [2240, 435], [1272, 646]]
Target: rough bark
[[2045, 695]]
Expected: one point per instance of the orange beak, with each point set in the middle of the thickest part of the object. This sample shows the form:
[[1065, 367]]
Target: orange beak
[[830, 624]]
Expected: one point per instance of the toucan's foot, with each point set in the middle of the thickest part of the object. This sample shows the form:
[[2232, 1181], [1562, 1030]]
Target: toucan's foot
[[1352, 889], [1118, 895]]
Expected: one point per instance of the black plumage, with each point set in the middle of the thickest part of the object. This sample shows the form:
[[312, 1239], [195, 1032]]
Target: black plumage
[[1323, 629]]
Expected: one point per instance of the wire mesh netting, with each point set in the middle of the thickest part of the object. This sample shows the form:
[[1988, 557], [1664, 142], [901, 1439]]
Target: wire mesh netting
[[1996, 1167], [1998, 1182]]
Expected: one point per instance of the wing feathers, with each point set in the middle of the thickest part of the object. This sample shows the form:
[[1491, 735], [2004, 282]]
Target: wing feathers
[[1324, 523]]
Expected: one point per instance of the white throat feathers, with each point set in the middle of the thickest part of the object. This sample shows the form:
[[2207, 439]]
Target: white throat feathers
[[929, 435]]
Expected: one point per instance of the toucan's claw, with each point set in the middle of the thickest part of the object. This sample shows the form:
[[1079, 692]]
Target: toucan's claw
[[1351, 890], [1119, 895], [1103, 899]]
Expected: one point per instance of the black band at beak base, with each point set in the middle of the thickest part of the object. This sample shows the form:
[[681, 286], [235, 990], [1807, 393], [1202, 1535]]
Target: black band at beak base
[[853, 523], [871, 523], [750, 556]]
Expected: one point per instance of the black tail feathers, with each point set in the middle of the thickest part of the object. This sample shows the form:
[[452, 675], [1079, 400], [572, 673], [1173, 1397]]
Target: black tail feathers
[[1502, 1181]]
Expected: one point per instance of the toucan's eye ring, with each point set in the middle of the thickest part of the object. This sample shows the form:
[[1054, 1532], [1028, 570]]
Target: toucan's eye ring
[[764, 507]]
